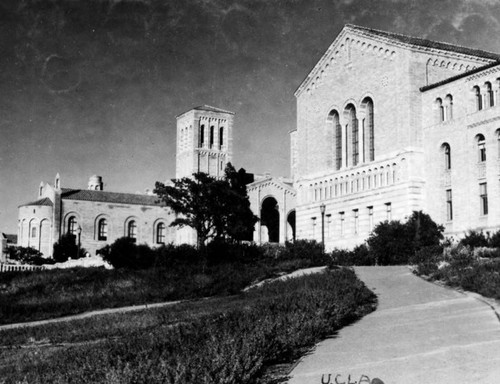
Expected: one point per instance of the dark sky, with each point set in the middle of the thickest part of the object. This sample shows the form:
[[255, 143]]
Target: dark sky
[[93, 87]]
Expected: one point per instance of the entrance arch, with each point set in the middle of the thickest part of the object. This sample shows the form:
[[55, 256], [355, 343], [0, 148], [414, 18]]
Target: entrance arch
[[270, 219]]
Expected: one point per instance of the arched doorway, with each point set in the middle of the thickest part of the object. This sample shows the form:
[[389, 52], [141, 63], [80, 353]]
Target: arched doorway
[[270, 219], [290, 220]]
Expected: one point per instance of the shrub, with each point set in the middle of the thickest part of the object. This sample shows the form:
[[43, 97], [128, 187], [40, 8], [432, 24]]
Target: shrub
[[389, 243], [124, 253], [393, 242], [494, 240], [474, 239], [66, 248], [486, 252], [28, 255], [360, 255]]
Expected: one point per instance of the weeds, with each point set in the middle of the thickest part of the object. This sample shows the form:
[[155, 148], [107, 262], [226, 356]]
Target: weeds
[[272, 324]]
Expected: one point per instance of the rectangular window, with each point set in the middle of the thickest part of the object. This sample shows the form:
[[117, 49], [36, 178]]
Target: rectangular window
[[356, 221], [313, 219], [483, 196], [388, 209], [449, 205], [370, 218], [328, 224], [342, 218], [482, 152]]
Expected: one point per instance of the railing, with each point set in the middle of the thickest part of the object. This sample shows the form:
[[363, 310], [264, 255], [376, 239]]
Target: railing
[[19, 267]]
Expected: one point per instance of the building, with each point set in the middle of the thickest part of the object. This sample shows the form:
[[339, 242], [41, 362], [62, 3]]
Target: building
[[388, 124], [97, 217], [6, 241], [94, 216]]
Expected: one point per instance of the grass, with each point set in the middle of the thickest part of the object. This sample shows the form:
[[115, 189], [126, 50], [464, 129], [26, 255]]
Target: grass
[[219, 340], [30, 296]]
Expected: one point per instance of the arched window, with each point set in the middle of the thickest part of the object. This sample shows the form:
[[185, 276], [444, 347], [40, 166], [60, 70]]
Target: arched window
[[132, 230], [221, 137], [368, 131], [478, 98], [449, 107], [33, 231], [352, 131], [202, 136], [481, 148], [490, 98], [102, 230], [72, 225], [161, 233], [447, 155], [336, 132], [440, 107], [212, 136]]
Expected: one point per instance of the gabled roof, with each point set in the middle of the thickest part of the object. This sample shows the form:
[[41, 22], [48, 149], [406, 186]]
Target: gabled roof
[[45, 201], [111, 197], [206, 108], [425, 43], [409, 41], [459, 76], [283, 183]]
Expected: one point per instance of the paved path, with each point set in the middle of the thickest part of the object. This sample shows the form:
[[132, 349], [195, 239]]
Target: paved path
[[420, 333]]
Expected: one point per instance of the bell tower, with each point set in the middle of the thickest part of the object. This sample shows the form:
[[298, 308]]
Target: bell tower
[[204, 141]]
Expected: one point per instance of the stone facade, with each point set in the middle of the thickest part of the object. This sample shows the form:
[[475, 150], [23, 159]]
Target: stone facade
[[94, 216], [367, 142]]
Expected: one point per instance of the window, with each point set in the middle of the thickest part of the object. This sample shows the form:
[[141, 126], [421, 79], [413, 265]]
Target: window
[[132, 230], [440, 107], [333, 123], [33, 231], [388, 210], [352, 131], [447, 155], [481, 146], [102, 230], [202, 136], [483, 197], [490, 98], [221, 137], [342, 219], [478, 98], [449, 107], [72, 225], [449, 205], [212, 136], [356, 221], [368, 131], [160, 233], [370, 218]]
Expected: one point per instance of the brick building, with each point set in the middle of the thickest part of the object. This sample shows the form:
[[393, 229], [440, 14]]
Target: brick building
[[96, 217], [388, 124]]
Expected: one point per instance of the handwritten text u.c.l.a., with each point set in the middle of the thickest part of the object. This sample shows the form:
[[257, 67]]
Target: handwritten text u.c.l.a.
[[349, 379]]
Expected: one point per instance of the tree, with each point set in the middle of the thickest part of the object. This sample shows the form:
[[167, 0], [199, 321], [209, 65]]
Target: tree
[[212, 207]]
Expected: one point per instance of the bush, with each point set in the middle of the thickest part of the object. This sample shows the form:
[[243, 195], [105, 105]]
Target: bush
[[124, 253], [474, 239], [393, 242], [66, 248], [494, 240], [27, 255], [360, 255]]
